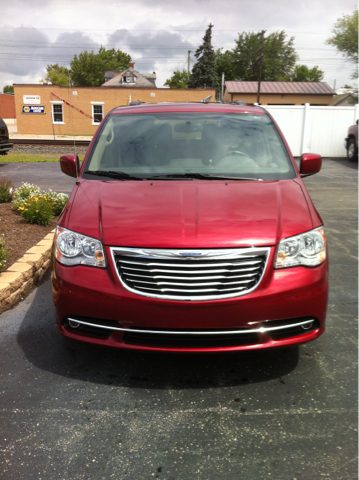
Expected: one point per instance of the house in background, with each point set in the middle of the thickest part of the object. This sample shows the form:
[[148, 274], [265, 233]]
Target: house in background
[[344, 100], [279, 93], [129, 78]]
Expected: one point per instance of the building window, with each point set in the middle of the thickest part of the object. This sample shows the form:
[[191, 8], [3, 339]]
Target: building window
[[57, 113], [128, 79], [97, 112]]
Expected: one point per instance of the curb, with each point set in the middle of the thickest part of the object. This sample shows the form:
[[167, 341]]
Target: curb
[[28, 271]]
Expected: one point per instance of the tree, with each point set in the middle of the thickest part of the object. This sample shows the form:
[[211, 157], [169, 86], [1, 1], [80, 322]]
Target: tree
[[8, 89], [279, 57], [345, 38], [302, 73], [88, 68], [57, 75], [178, 79], [224, 64], [204, 72]]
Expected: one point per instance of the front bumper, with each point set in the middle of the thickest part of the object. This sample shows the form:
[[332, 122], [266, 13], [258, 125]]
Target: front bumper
[[96, 296], [5, 147]]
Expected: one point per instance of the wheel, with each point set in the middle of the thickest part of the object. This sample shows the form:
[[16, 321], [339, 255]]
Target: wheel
[[352, 151]]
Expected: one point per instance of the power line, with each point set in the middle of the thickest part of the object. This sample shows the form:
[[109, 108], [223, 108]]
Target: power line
[[142, 30]]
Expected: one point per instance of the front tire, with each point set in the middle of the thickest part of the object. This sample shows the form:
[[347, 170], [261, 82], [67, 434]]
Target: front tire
[[352, 151]]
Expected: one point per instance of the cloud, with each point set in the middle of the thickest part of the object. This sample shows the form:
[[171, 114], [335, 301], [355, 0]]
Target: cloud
[[25, 53], [149, 49], [20, 52], [159, 51], [67, 44], [158, 33]]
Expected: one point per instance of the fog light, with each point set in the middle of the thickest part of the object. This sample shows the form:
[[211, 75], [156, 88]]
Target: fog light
[[307, 326], [74, 324]]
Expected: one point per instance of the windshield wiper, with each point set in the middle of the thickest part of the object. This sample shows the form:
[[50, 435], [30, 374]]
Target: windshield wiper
[[199, 176], [110, 174]]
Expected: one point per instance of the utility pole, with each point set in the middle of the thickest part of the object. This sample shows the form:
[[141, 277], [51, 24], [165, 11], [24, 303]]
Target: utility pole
[[189, 52], [259, 59]]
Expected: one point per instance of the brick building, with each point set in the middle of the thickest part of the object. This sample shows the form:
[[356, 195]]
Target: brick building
[[7, 106], [280, 93], [39, 112]]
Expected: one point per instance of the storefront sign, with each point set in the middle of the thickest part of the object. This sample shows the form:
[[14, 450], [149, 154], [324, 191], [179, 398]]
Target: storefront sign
[[31, 99], [33, 109]]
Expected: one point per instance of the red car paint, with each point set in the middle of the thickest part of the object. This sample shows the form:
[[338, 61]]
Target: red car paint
[[196, 214]]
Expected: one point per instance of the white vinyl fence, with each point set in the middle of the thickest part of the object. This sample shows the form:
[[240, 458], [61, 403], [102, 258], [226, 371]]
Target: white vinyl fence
[[314, 129]]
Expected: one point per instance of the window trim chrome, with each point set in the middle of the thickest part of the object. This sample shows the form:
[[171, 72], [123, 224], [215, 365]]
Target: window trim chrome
[[194, 255]]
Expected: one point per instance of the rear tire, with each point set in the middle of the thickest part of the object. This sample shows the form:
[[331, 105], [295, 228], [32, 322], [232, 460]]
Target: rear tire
[[352, 151]]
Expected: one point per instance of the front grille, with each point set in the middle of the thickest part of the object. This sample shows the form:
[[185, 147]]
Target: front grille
[[190, 275], [190, 341]]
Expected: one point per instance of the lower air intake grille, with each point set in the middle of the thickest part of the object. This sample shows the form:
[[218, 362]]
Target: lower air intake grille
[[190, 275], [190, 341]]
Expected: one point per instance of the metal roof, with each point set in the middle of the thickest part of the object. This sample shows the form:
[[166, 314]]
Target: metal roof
[[294, 88]]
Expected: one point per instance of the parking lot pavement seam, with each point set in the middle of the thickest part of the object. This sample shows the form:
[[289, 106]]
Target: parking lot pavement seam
[[18, 280]]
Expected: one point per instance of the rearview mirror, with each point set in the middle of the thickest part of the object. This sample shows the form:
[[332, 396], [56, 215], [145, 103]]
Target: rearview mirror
[[70, 164], [188, 127], [310, 164]]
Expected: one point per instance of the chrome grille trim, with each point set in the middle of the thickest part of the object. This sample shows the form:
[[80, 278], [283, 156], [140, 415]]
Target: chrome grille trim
[[150, 264], [183, 271], [190, 269], [196, 332], [187, 278]]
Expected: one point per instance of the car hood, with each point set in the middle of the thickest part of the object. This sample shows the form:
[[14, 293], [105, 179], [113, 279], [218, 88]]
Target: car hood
[[189, 214]]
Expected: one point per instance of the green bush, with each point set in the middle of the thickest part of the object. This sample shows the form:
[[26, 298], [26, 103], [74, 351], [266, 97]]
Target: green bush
[[37, 210], [6, 190], [3, 253], [58, 201]]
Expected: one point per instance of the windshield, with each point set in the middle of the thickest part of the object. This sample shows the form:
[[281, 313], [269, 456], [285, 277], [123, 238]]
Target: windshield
[[175, 145]]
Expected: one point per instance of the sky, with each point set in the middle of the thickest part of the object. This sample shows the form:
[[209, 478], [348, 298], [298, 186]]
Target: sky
[[158, 33]]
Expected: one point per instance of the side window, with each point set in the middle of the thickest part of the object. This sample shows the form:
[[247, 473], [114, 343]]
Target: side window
[[97, 113], [57, 113]]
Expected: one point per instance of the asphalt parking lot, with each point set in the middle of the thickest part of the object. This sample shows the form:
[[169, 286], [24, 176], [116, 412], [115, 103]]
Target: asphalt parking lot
[[72, 411]]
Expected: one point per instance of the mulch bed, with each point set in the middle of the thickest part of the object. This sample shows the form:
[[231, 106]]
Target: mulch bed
[[19, 235]]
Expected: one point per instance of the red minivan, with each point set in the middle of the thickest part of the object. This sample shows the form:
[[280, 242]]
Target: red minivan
[[189, 229]]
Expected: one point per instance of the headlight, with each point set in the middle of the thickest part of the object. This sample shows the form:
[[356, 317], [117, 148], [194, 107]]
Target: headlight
[[307, 249], [75, 249]]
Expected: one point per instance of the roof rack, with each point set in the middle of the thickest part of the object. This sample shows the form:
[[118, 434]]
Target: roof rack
[[137, 102], [239, 102]]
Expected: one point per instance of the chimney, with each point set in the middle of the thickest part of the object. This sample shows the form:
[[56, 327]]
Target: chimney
[[132, 64]]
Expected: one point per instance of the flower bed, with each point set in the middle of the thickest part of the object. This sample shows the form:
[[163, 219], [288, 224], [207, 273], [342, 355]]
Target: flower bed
[[32, 214], [20, 236]]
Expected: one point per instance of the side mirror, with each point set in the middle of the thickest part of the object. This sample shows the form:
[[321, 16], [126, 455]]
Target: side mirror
[[70, 164], [310, 164], [357, 122]]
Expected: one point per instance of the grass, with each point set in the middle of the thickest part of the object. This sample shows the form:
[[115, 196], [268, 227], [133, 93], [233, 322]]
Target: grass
[[31, 157]]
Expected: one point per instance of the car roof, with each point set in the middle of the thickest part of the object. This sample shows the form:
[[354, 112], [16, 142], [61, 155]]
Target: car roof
[[188, 107]]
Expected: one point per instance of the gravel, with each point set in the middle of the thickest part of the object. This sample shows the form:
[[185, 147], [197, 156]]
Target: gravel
[[48, 149]]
